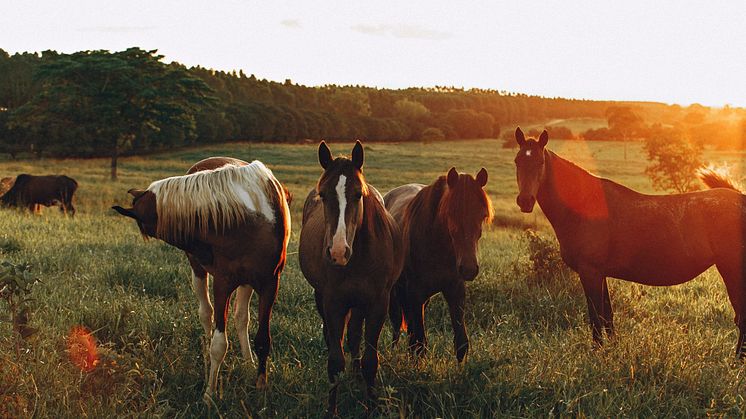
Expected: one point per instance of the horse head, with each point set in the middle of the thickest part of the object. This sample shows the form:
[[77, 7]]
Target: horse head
[[530, 164], [143, 211], [341, 189], [465, 207]]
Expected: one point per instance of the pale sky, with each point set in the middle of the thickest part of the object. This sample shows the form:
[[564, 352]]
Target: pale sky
[[670, 51]]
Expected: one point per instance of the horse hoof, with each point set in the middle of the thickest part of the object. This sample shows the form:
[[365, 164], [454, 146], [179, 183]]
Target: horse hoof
[[262, 382]]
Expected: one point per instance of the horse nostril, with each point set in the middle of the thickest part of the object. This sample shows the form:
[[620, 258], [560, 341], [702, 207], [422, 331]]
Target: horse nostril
[[348, 252]]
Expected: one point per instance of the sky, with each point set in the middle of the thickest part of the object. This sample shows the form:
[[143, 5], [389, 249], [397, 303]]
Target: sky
[[669, 51]]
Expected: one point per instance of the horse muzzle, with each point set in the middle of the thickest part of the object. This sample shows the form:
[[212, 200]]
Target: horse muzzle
[[339, 256], [526, 203], [468, 273]]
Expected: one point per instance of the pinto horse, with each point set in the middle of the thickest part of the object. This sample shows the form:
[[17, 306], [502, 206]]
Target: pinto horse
[[232, 220], [441, 226], [607, 230], [350, 252]]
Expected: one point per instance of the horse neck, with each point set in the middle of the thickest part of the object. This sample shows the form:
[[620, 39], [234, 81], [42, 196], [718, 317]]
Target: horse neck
[[568, 191], [372, 221], [425, 225]]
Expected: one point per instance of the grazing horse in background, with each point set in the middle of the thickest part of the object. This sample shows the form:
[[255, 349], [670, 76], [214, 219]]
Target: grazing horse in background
[[232, 220], [441, 225], [30, 191], [350, 252], [607, 230]]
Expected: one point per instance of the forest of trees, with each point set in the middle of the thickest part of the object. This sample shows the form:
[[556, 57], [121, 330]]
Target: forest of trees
[[100, 103]]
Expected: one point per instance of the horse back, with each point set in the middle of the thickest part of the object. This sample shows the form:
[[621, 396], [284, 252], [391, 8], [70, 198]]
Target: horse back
[[397, 200], [212, 163]]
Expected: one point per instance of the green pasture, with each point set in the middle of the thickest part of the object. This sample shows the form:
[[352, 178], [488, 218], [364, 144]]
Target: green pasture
[[531, 352]]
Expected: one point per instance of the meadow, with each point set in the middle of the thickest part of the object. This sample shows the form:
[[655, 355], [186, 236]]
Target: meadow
[[531, 350]]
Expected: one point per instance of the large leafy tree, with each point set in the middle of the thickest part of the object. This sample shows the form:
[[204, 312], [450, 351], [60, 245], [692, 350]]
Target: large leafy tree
[[104, 103]]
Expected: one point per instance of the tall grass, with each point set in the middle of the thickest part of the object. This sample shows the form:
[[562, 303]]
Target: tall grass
[[531, 347]]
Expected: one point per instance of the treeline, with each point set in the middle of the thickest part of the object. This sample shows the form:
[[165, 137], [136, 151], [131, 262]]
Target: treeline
[[48, 105], [101, 103]]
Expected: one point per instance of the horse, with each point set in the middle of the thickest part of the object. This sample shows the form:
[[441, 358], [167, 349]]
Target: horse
[[607, 230], [441, 226], [232, 220], [350, 253], [30, 191]]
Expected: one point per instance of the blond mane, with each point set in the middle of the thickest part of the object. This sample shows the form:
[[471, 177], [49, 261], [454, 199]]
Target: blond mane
[[216, 200]]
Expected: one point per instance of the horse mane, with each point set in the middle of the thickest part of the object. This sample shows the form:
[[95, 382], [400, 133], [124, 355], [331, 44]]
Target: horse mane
[[373, 206], [217, 199], [435, 201], [717, 178], [456, 202]]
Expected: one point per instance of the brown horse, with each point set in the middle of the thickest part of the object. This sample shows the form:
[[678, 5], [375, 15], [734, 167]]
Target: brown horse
[[607, 230], [441, 226], [350, 252], [232, 220], [31, 192]]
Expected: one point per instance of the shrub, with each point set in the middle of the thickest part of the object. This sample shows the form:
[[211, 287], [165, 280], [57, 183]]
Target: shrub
[[673, 159], [546, 264], [16, 283], [432, 134]]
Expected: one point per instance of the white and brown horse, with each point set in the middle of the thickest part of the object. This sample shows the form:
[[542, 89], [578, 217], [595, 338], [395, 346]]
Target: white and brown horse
[[350, 252], [607, 230], [232, 220]]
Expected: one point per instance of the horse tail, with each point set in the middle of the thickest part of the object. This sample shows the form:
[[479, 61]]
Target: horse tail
[[717, 178]]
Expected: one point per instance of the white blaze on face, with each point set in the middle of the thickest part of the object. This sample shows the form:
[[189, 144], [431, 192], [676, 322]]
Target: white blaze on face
[[339, 241], [528, 153]]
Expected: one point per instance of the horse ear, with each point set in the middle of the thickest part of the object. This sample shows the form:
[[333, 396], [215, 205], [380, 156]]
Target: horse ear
[[358, 156], [136, 193], [482, 177], [325, 155], [544, 138], [452, 178], [124, 211], [519, 137]]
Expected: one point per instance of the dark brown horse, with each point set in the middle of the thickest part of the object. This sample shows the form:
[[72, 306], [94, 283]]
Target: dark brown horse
[[31, 192], [441, 225], [232, 220], [607, 230], [350, 252]]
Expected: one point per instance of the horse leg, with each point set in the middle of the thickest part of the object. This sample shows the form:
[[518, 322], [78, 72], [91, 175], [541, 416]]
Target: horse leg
[[263, 339], [334, 322], [219, 345], [593, 288], [241, 316], [395, 317], [199, 285], [354, 336], [374, 321], [415, 311], [733, 276], [608, 314], [456, 299]]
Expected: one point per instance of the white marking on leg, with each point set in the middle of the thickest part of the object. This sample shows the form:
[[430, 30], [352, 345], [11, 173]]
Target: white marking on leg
[[339, 241], [241, 315], [199, 285], [218, 348]]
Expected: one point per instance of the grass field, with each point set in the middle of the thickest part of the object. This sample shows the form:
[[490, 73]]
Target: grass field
[[531, 348]]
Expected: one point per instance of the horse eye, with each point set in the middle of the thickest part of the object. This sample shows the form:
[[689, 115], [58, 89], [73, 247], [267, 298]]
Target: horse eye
[[358, 196], [322, 196]]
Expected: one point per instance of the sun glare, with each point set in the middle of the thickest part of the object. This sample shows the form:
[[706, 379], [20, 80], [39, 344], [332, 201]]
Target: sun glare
[[81, 348]]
